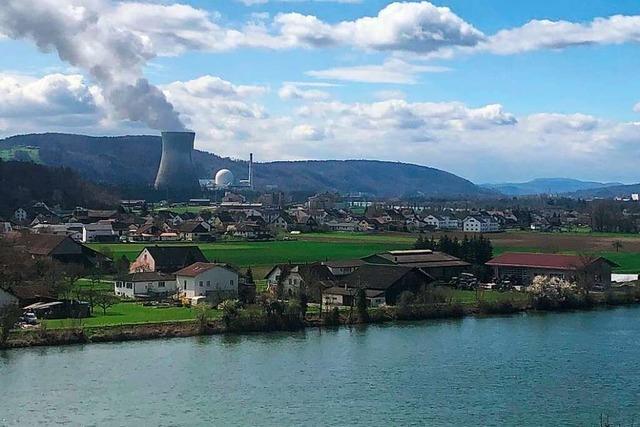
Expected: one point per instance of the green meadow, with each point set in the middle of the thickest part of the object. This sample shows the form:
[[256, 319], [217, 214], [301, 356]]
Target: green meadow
[[260, 256]]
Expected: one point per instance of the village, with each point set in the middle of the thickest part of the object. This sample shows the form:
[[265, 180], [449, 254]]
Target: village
[[58, 275], [271, 213]]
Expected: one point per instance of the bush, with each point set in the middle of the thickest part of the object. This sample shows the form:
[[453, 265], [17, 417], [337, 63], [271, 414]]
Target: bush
[[230, 311], [619, 298], [497, 307], [333, 317]]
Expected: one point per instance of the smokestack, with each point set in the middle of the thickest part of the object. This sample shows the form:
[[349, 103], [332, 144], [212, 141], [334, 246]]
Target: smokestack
[[251, 171], [176, 172]]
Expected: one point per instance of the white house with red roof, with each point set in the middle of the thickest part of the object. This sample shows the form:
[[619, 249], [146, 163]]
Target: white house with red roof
[[215, 282], [522, 268]]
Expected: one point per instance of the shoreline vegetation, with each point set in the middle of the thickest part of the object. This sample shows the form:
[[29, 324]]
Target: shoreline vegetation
[[278, 316]]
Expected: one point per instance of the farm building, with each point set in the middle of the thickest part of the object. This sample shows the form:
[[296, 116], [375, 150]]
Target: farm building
[[522, 268], [61, 248], [438, 265], [391, 280]]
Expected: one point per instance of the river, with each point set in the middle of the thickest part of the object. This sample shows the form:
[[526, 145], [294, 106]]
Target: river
[[525, 370]]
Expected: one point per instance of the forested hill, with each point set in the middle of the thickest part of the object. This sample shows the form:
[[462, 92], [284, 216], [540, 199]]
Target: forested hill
[[22, 183], [133, 160]]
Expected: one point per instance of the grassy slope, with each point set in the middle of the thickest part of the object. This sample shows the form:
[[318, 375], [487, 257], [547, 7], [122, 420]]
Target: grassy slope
[[131, 313]]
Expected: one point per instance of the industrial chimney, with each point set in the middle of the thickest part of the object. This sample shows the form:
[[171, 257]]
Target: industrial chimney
[[251, 171], [176, 172]]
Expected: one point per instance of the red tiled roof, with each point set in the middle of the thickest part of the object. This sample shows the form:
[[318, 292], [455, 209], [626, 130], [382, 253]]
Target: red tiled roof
[[551, 261], [199, 267]]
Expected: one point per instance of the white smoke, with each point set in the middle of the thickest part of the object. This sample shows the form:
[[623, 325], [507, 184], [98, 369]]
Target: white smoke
[[79, 32]]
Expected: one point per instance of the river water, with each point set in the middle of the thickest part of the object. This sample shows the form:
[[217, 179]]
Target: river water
[[525, 370]]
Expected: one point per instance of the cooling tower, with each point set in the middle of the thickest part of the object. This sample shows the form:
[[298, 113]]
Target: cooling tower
[[176, 173]]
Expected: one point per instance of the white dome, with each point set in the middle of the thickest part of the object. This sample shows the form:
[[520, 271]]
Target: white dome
[[224, 178]]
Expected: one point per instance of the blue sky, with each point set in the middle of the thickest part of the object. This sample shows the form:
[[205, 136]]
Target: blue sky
[[490, 90]]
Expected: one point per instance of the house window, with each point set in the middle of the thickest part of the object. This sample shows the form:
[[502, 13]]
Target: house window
[[200, 283], [208, 283], [129, 285], [185, 284], [161, 284], [231, 282]]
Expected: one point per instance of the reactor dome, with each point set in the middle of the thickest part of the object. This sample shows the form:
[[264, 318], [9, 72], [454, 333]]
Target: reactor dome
[[224, 178]]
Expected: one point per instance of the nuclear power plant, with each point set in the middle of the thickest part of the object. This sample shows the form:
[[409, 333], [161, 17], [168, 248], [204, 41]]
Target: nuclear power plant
[[176, 174], [224, 178]]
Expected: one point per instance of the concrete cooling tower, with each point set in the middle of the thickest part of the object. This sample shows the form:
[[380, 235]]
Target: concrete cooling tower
[[176, 173]]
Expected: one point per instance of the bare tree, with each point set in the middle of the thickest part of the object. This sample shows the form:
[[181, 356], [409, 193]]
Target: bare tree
[[617, 245], [9, 315], [106, 300], [71, 274], [586, 270]]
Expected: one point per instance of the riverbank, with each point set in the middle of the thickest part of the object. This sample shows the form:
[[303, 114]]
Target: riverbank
[[526, 370], [253, 322]]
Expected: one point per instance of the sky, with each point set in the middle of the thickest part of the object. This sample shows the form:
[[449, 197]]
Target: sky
[[491, 90]]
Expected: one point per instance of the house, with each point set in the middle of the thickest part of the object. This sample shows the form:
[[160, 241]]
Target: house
[[343, 226], [27, 294], [442, 222], [166, 259], [522, 268], [438, 265], [145, 284], [194, 230], [215, 282], [391, 280], [283, 221], [294, 277], [61, 248], [98, 232], [343, 267], [480, 224], [345, 296], [20, 215], [5, 227], [7, 299]]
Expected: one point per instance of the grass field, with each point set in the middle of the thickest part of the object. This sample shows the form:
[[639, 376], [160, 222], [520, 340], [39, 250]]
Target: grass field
[[335, 246], [132, 313], [12, 153]]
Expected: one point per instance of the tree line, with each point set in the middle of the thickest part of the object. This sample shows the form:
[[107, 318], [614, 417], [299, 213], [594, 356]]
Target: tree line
[[476, 250]]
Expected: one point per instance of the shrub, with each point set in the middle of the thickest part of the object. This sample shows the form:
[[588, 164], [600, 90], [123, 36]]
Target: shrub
[[497, 307], [333, 317]]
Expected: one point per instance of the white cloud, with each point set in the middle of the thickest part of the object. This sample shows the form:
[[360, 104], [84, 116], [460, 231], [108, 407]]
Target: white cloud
[[212, 87], [546, 34], [307, 132], [391, 71], [413, 27], [54, 95], [291, 91], [482, 143], [384, 95], [636, 108]]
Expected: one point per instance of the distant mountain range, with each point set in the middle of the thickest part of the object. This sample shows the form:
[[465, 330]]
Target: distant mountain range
[[547, 186], [133, 160]]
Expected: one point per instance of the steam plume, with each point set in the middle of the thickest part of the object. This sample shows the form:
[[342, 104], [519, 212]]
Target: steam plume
[[80, 32]]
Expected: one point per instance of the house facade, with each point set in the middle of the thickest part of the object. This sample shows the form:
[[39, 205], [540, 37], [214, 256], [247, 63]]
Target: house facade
[[145, 284], [166, 259], [294, 277], [480, 224], [337, 296], [215, 282]]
